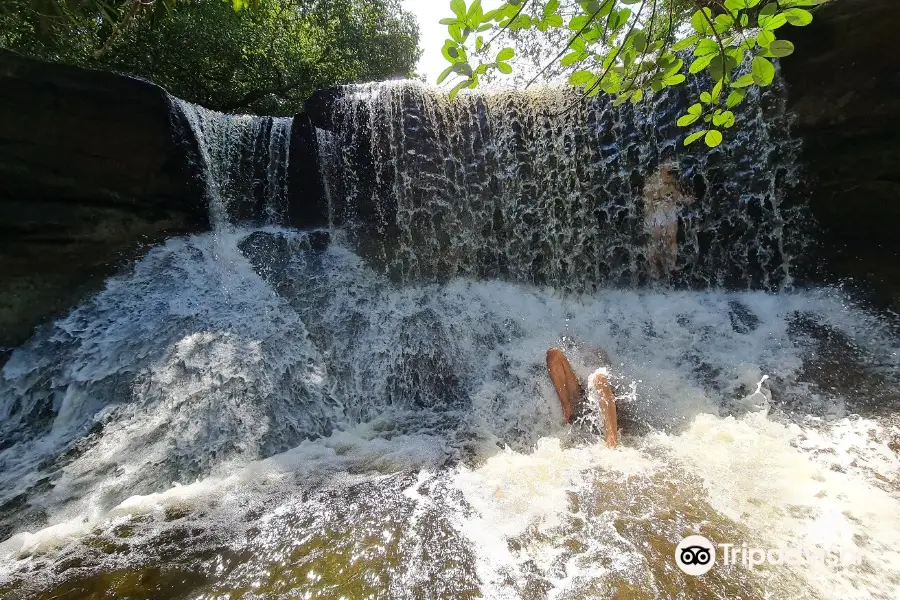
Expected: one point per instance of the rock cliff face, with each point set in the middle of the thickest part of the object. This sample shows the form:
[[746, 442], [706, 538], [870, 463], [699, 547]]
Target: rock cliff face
[[90, 172], [844, 85]]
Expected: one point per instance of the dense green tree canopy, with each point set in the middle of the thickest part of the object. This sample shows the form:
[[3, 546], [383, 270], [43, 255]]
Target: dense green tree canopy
[[629, 48], [266, 60]]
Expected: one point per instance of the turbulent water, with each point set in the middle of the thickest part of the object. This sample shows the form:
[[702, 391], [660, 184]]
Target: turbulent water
[[266, 413]]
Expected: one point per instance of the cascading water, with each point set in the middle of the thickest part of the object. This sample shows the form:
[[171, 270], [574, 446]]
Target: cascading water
[[365, 412], [537, 187], [246, 161]]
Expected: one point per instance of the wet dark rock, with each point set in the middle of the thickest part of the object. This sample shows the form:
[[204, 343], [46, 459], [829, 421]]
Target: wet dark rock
[[271, 253], [91, 174], [844, 82], [307, 201], [837, 367], [742, 320]]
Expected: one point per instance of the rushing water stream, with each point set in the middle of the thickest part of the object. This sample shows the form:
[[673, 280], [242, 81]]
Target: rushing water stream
[[365, 412]]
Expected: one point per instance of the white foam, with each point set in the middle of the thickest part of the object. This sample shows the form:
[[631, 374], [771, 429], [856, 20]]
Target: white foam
[[198, 371]]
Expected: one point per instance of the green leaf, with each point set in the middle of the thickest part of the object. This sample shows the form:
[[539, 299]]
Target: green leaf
[[505, 68], [736, 55], [550, 8], [718, 68], [723, 23], [476, 13], [713, 138], [765, 38], [740, 4], [706, 98], [695, 109], [579, 22], [444, 74], [580, 77], [770, 18], [798, 17], [723, 119], [687, 120], [555, 21], [506, 54], [694, 137], [763, 71], [450, 21], [674, 79], [671, 68], [706, 47], [638, 40], [621, 99], [701, 63], [637, 96], [742, 82], [685, 43], [700, 23], [456, 32], [573, 57], [459, 86], [459, 8], [717, 91], [781, 48], [735, 98]]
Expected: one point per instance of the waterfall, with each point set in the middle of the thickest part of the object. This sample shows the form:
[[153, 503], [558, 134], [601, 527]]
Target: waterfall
[[245, 162], [539, 187], [365, 411]]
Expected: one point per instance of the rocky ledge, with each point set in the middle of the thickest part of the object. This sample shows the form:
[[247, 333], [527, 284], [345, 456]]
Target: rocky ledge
[[90, 173], [844, 87]]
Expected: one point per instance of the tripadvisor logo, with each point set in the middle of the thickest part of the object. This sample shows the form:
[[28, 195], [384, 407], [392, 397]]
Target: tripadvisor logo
[[695, 555]]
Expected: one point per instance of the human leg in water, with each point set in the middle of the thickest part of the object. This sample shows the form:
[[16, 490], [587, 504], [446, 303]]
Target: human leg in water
[[568, 388], [570, 392], [601, 393]]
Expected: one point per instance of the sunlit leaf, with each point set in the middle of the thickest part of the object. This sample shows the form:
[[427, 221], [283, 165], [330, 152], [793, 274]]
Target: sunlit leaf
[[580, 77], [735, 98], [713, 138], [459, 8], [763, 71], [685, 43], [798, 17], [781, 48], [694, 137]]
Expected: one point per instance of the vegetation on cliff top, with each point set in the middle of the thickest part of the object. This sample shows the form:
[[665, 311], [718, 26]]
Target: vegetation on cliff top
[[266, 61], [630, 48]]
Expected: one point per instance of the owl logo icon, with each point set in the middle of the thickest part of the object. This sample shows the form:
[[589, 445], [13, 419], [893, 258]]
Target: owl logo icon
[[695, 555]]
